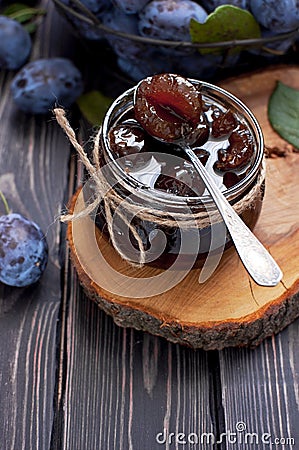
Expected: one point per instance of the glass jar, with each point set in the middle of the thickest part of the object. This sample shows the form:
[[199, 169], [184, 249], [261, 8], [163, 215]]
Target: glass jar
[[171, 230]]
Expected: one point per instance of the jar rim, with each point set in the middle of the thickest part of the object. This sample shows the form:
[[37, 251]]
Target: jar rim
[[125, 101]]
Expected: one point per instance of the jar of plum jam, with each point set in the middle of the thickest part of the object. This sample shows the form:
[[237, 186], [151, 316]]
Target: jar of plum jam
[[163, 207]]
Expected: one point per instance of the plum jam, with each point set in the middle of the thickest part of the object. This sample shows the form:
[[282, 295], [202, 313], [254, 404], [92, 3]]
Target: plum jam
[[172, 212]]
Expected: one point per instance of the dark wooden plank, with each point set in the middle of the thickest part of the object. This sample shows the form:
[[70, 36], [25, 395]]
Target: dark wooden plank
[[123, 388], [34, 158], [260, 391]]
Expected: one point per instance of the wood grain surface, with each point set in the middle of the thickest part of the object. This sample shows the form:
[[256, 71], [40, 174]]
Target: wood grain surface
[[34, 175], [72, 379]]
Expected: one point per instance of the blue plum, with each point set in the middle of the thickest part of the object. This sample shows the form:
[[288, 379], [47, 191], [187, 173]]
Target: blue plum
[[15, 44], [150, 63], [169, 19], [86, 29], [95, 6], [276, 48], [130, 6], [127, 23], [43, 83], [198, 66], [210, 5], [100, 8], [278, 16], [135, 71], [23, 251]]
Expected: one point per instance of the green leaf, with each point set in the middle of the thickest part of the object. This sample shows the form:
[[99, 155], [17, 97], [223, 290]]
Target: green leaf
[[5, 203], [31, 27], [283, 112], [14, 8], [93, 105], [24, 14], [225, 23]]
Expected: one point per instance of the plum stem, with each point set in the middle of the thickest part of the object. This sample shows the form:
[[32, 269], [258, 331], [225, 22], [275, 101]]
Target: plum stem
[[7, 209]]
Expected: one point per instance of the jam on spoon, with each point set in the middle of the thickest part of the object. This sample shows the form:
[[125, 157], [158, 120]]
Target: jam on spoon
[[170, 108]]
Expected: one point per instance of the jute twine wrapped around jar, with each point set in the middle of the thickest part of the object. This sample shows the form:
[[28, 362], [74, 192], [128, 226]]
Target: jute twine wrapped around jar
[[111, 200]]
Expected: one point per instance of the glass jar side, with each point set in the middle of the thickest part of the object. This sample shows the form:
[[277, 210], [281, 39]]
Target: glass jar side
[[156, 232]]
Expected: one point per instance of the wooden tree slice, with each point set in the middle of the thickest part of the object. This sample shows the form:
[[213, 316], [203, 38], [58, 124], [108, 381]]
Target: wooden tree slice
[[229, 309]]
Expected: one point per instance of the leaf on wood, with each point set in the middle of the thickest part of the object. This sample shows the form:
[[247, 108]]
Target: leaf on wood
[[93, 106], [226, 23], [283, 112]]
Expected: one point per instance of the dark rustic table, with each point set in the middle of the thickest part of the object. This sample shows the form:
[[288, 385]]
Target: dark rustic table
[[69, 377]]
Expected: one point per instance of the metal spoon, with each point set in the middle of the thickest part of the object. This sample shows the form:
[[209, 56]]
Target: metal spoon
[[256, 259]]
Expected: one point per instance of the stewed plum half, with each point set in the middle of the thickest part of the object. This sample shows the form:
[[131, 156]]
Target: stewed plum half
[[168, 106], [239, 152]]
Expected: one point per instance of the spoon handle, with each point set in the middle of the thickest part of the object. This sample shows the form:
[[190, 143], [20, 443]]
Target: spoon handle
[[256, 259]]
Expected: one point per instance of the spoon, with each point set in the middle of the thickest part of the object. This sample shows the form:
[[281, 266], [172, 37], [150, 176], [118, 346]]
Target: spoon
[[256, 259]]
